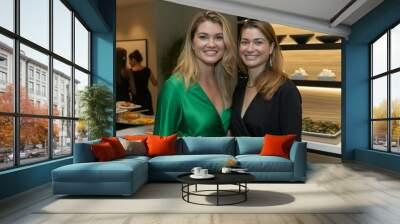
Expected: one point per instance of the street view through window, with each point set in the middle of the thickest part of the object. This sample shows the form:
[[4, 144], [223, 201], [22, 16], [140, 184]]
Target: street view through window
[[40, 82]]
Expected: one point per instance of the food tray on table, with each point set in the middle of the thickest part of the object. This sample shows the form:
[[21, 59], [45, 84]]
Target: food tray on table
[[124, 105], [324, 129], [135, 118], [323, 135]]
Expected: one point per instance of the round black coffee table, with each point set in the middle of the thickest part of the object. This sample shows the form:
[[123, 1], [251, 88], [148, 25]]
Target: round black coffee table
[[238, 179]]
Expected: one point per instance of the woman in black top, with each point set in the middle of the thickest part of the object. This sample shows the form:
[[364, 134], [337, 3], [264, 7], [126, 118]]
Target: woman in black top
[[265, 101], [141, 76], [125, 83]]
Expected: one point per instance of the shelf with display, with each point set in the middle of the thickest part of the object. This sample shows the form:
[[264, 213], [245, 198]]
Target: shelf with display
[[318, 83], [317, 46]]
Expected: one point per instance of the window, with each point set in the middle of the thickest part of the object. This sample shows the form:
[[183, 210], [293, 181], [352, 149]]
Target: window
[[3, 61], [3, 78], [81, 81], [37, 74], [41, 84], [43, 90], [81, 45], [35, 22], [62, 140], [38, 89], [385, 94], [62, 74], [30, 87], [3, 71], [30, 72], [7, 74], [62, 30], [7, 14]]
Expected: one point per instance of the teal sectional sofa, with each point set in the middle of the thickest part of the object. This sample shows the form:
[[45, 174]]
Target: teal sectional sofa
[[125, 176]]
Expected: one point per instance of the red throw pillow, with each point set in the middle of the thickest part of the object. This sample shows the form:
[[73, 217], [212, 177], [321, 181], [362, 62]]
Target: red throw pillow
[[116, 145], [103, 151], [277, 145], [161, 145]]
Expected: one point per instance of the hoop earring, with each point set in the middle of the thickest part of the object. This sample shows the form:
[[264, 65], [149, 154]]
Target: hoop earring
[[270, 61]]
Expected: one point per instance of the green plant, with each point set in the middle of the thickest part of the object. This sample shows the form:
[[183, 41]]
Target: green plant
[[96, 102]]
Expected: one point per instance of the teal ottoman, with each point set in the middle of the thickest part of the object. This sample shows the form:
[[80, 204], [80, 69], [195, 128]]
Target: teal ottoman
[[118, 177]]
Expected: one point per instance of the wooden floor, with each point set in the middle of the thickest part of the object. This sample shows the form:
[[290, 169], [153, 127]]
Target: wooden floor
[[377, 188]]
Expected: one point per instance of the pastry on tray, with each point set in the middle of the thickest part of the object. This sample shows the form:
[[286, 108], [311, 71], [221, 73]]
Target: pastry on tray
[[129, 116], [125, 105]]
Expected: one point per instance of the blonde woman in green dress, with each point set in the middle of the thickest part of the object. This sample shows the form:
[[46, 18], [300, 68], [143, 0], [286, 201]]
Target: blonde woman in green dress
[[196, 99]]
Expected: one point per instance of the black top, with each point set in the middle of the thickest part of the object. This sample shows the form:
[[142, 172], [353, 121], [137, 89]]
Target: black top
[[143, 96], [220, 178], [123, 88], [279, 116]]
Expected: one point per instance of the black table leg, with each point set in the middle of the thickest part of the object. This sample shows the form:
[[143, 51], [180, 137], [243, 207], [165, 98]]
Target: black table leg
[[245, 193], [220, 193], [217, 194], [188, 190]]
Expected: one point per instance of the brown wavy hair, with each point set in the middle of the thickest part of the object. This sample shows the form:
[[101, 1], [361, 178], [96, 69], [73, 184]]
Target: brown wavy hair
[[225, 70], [273, 76]]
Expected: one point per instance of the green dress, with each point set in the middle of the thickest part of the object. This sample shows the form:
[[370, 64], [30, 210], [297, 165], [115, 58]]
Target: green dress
[[188, 111]]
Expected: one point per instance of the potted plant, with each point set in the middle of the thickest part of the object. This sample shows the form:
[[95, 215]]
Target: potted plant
[[96, 103]]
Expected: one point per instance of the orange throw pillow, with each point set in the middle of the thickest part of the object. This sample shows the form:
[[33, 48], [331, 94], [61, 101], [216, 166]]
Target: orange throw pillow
[[116, 145], [161, 145], [103, 152], [277, 145]]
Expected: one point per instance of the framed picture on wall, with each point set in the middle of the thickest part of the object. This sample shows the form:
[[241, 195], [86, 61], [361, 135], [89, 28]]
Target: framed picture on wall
[[135, 44]]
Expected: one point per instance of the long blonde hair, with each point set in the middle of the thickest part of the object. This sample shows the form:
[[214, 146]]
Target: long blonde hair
[[273, 76], [225, 70]]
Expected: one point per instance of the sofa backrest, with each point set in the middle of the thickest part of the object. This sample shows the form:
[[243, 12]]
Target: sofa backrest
[[190, 146], [206, 145], [249, 145], [83, 152]]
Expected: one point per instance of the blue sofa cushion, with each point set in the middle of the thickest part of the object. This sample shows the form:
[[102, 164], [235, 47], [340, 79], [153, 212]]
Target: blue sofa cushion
[[111, 171], [185, 163], [249, 145], [83, 152], [132, 157], [206, 145], [257, 163]]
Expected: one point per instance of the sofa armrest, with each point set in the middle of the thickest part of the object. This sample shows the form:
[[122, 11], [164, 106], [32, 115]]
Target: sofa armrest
[[298, 155], [83, 152]]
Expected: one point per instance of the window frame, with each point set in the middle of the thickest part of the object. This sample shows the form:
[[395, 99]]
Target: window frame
[[51, 118], [388, 74]]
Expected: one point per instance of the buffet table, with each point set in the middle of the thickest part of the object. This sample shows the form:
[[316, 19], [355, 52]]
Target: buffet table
[[137, 130]]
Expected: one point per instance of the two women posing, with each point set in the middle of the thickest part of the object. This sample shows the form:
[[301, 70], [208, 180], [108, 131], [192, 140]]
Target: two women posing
[[204, 97]]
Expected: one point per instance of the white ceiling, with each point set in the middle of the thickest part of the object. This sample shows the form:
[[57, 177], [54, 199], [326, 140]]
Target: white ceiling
[[315, 15], [319, 9]]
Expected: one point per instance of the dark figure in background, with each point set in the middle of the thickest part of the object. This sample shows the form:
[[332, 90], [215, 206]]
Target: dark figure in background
[[125, 83], [141, 76]]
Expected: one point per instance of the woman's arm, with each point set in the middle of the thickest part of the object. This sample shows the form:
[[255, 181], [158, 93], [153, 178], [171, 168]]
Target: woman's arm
[[169, 110], [291, 112], [153, 79]]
